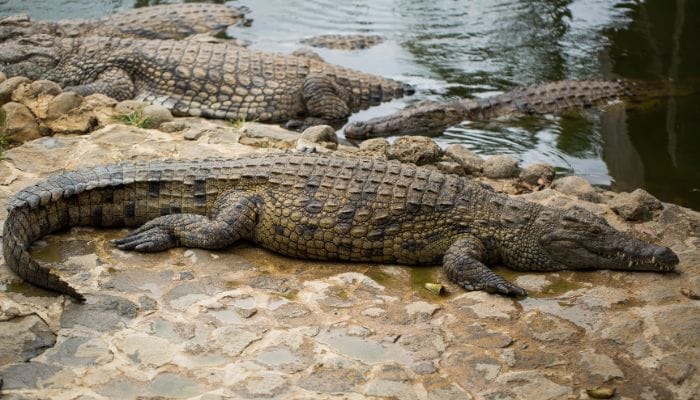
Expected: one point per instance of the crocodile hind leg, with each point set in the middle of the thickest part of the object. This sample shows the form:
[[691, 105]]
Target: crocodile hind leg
[[324, 101], [462, 264], [115, 83], [233, 217]]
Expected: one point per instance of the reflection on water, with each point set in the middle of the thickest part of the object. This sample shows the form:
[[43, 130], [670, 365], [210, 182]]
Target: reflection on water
[[475, 48]]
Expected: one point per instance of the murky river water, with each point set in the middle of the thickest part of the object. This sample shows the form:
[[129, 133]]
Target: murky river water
[[472, 48]]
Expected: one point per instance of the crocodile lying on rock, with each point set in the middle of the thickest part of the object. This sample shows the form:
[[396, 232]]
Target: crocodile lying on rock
[[169, 21], [324, 208], [214, 80], [431, 117]]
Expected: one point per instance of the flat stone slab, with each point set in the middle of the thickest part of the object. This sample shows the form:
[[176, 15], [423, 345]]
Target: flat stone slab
[[246, 323]]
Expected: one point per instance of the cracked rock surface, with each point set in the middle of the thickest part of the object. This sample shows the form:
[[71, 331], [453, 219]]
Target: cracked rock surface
[[245, 323]]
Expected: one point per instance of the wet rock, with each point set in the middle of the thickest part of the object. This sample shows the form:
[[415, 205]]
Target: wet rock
[[233, 340], [535, 283], [623, 329], [147, 350], [262, 385], [549, 328], [156, 115], [421, 310], [439, 388], [478, 335], [501, 167], [636, 206], [129, 106], [537, 176], [63, 104], [24, 376], [81, 351], [484, 305], [106, 314], [419, 150], [319, 138], [676, 368], [528, 385], [424, 368], [8, 86], [20, 124], [277, 284], [597, 365], [680, 325], [577, 187], [334, 375], [470, 161], [24, 338], [392, 381]]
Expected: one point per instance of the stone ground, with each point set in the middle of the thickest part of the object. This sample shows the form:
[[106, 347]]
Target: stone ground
[[246, 323]]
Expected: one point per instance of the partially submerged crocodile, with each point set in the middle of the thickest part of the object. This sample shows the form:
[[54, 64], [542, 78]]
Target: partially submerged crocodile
[[324, 208], [343, 42], [169, 21], [432, 117], [214, 80]]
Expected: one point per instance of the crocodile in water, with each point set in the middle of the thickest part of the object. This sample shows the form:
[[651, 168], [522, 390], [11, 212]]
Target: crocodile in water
[[344, 42], [432, 117], [324, 208], [213, 80], [170, 21]]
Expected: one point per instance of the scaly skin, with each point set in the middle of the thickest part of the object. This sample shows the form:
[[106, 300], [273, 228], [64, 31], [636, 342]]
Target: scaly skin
[[551, 97], [344, 42], [213, 80], [323, 208], [170, 21]]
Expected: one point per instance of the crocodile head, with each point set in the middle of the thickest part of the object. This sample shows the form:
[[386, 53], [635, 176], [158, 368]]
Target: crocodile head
[[577, 239], [422, 118]]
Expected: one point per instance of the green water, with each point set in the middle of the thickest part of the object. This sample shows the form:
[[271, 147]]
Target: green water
[[473, 48]]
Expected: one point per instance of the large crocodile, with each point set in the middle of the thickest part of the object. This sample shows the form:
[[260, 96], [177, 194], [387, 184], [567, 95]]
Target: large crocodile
[[169, 21], [215, 80], [324, 208], [550, 97]]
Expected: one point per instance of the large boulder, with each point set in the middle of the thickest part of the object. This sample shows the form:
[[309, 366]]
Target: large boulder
[[20, 124], [419, 150], [636, 206]]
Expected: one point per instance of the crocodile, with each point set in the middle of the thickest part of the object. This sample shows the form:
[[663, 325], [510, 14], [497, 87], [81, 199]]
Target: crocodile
[[320, 207], [343, 42], [169, 21], [194, 78], [550, 97]]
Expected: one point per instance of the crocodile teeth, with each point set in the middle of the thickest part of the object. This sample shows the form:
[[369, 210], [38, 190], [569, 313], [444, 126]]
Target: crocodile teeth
[[630, 264], [653, 260]]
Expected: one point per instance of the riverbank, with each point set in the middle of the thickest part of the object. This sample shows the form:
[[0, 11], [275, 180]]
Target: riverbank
[[247, 323]]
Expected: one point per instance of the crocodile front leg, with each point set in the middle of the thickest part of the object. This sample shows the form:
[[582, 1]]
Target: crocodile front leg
[[463, 265], [324, 101], [233, 217], [115, 83]]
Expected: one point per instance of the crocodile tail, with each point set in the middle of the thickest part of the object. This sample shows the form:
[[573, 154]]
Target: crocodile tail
[[548, 97], [16, 239]]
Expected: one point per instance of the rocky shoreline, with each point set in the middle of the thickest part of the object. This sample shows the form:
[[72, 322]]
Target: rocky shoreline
[[246, 323]]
